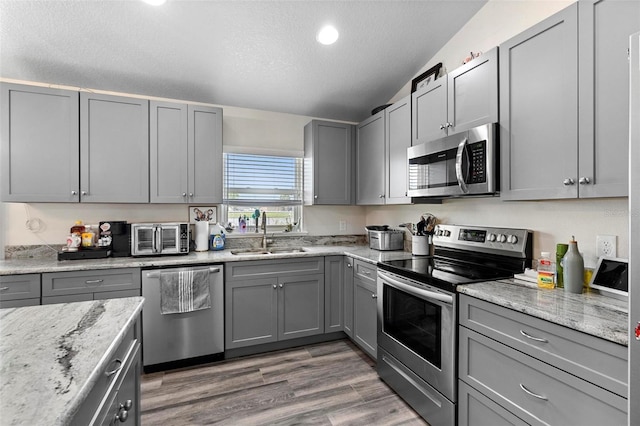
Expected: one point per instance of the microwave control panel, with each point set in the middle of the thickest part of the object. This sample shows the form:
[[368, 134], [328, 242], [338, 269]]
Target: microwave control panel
[[478, 158]]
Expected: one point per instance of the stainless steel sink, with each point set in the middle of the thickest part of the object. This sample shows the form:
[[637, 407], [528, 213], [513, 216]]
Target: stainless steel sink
[[259, 251], [286, 250], [247, 252]]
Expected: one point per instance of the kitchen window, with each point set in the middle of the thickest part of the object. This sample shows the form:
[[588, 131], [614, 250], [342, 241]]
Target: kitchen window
[[266, 183]]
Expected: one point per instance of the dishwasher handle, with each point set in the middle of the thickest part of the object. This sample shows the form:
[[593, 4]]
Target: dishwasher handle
[[156, 274]]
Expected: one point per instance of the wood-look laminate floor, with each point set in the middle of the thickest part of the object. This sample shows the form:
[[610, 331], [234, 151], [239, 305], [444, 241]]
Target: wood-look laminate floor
[[325, 384]]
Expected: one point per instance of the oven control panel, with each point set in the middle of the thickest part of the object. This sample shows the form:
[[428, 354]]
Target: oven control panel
[[505, 241]]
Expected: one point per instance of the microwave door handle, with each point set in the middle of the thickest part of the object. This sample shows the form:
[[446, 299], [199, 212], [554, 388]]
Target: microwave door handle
[[157, 239], [462, 150]]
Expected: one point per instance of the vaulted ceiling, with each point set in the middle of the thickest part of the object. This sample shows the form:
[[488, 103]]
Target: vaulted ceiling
[[253, 54]]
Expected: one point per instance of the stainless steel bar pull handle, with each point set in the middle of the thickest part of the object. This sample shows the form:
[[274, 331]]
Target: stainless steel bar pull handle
[[544, 398], [537, 339], [93, 281], [156, 274]]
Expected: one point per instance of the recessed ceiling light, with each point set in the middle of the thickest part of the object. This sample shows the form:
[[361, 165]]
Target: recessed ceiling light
[[155, 2], [327, 35]]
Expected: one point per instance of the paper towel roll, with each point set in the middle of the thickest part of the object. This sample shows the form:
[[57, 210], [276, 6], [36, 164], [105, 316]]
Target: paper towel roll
[[202, 235]]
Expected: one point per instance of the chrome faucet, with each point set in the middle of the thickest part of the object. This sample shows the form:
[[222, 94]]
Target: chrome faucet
[[264, 230]]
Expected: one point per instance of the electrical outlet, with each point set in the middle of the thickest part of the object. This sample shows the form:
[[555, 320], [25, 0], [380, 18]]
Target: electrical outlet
[[343, 225], [606, 245]]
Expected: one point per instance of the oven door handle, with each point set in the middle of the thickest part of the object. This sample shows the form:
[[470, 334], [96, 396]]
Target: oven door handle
[[420, 292]]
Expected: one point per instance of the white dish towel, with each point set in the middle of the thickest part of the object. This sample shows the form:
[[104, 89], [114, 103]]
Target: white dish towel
[[184, 291]]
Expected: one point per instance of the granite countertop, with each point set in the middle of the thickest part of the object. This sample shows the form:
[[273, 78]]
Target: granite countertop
[[35, 266], [52, 355], [591, 313]]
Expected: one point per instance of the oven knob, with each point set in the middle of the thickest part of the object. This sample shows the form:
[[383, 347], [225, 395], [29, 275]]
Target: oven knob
[[512, 239], [491, 237], [502, 238], [447, 233]]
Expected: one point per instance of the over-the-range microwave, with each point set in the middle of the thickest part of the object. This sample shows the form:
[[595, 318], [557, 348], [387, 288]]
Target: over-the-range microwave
[[466, 163]]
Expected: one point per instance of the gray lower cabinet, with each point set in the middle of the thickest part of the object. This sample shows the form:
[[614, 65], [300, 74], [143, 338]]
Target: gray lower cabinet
[[185, 153], [39, 148], [269, 301], [548, 374], [365, 312], [115, 397], [466, 97], [564, 134], [329, 177], [114, 149], [348, 295], [76, 286], [19, 290], [334, 293]]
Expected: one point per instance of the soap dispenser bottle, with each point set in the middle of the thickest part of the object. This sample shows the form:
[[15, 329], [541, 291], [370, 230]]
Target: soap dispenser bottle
[[573, 268]]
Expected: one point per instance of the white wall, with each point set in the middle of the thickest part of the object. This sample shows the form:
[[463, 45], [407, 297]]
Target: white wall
[[552, 221]]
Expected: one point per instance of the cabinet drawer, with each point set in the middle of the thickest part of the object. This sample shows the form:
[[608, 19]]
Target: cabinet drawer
[[532, 389], [111, 376], [365, 271], [66, 283], [475, 409], [14, 287], [597, 360], [273, 268]]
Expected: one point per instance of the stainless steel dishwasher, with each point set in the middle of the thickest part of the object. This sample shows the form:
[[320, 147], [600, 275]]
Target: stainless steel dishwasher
[[174, 340]]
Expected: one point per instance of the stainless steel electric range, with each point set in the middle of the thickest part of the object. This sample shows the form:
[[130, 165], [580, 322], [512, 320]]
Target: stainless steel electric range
[[417, 311]]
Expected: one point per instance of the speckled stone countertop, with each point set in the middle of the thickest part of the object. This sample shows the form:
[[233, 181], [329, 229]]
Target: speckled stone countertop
[[52, 355], [591, 313], [34, 266]]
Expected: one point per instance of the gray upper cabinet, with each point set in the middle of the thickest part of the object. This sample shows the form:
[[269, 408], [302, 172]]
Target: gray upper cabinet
[[539, 110], [398, 139], [114, 149], [39, 150], [472, 91], [466, 97], [603, 30], [185, 153], [370, 160], [429, 112], [328, 163], [381, 156], [564, 134]]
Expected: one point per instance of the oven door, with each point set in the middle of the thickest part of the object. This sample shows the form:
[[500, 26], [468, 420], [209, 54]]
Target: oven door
[[417, 326], [169, 239], [143, 239]]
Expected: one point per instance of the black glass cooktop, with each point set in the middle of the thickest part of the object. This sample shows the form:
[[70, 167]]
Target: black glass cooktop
[[444, 273]]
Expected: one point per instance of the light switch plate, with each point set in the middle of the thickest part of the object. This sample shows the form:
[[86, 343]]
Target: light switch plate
[[213, 215]]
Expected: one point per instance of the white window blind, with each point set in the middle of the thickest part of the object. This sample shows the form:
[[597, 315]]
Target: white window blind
[[262, 180]]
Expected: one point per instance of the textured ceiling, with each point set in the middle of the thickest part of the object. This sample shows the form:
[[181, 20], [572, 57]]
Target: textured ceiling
[[253, 54]]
